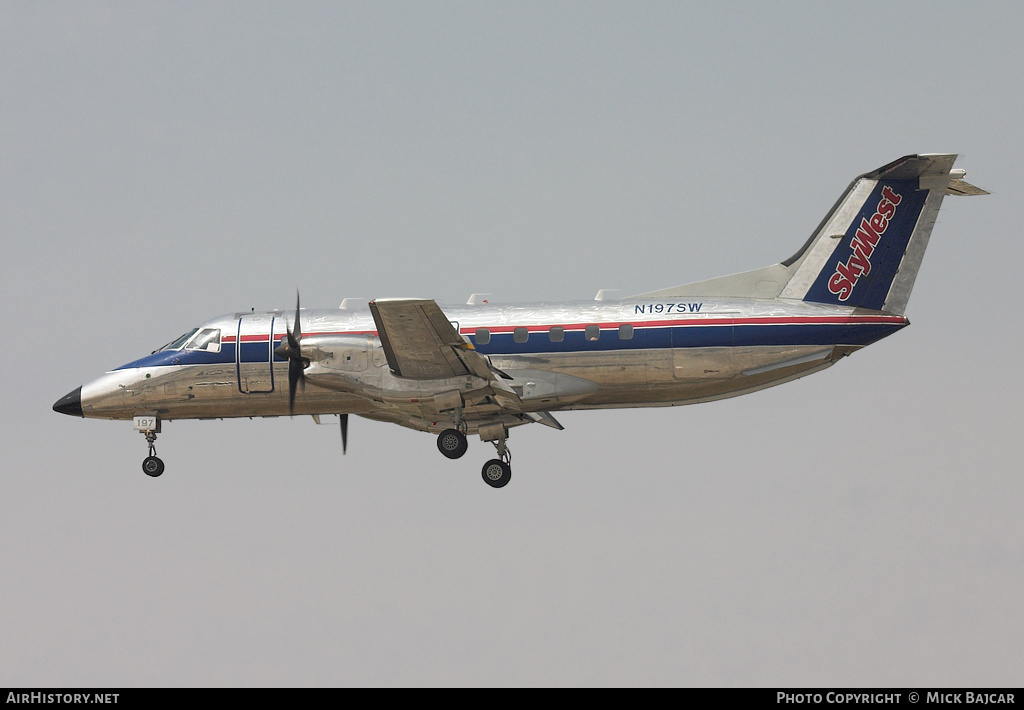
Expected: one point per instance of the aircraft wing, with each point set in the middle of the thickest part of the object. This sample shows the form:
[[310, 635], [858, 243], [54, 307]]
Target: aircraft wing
[[418, 339], [420, 343]]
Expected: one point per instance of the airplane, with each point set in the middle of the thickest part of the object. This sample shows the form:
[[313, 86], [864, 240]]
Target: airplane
[[482, 369]]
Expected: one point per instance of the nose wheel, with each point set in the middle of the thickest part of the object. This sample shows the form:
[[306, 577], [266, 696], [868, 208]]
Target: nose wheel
[[152, 466], [150, 427]]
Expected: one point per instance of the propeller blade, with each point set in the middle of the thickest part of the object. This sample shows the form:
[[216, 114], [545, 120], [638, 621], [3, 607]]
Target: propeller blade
[[295, 377], [292, 351], [297, 331], [344, 433]]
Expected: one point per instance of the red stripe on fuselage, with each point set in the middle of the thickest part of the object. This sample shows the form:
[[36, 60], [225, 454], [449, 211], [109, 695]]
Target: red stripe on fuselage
[[719, 321]]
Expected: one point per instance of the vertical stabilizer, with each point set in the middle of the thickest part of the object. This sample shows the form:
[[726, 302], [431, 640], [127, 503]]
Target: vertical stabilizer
[[869, 249]]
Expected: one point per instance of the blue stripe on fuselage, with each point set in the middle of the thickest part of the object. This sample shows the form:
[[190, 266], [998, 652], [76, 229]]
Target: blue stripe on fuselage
[[189, 357], [704, 336], [575, 341]]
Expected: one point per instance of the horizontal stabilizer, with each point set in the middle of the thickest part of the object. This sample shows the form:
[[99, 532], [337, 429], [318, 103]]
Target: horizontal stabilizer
[[963, 188]]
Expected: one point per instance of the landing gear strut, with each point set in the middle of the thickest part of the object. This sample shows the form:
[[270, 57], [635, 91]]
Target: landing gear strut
[[452, 442], [498, 472], [150, 427]]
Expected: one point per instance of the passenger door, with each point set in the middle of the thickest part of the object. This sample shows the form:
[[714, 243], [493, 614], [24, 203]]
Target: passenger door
[[254, 353]]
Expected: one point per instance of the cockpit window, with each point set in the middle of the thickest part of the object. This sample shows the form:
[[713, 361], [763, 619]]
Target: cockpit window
[[207, 339], [176, 344]]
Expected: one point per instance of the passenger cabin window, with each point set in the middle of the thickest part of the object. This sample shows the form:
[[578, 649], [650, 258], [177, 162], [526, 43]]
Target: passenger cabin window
[[520, 335], [483, 336], [593, 332], [626, 331], [556, 334], [207, 340]]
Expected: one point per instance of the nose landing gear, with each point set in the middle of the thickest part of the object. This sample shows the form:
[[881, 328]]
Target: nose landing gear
[[152, 466], [150, 427]]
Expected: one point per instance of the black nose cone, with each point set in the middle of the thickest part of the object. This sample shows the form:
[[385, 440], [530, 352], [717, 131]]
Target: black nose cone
[[71, 403]]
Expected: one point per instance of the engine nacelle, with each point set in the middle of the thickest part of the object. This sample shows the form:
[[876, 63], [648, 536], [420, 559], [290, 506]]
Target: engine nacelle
[[356, 364]]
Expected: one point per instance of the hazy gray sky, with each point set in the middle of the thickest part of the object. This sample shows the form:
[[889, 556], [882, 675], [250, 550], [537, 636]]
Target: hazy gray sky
[[165, 163]]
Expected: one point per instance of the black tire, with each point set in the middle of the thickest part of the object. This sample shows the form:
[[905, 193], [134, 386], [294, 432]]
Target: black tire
[[452, 443], [152, 466], [496, 473]]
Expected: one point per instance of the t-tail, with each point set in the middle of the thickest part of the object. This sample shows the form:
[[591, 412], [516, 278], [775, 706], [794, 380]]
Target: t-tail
[[867, 251]]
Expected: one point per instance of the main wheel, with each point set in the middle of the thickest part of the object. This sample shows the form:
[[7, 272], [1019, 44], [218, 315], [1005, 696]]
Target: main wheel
[[496, 473], [452, 443], [152, 466]]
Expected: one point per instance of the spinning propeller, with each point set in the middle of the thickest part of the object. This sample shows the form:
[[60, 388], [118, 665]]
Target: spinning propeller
[[290, 349]]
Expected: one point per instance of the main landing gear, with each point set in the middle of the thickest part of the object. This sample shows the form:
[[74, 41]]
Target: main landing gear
[[452, 442], [150, 427], [496, 472]]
